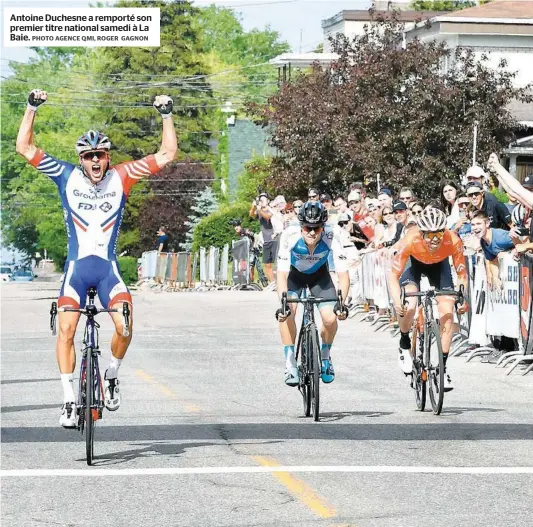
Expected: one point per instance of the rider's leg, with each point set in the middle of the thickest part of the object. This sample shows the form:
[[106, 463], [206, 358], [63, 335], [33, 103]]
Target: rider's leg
[[119, 342], [329, 325], [65, 352], [269, 272], [287, 331]]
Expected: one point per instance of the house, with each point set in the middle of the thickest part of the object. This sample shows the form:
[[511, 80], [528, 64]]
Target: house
[[502, 29]]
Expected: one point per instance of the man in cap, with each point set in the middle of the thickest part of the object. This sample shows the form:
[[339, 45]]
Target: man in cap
[[361, 230], [327, 201], [260, 209], [400, 212], [498, 214]]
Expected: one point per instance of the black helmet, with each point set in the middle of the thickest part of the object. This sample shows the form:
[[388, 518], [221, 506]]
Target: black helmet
[[235, 222], [313, 214]]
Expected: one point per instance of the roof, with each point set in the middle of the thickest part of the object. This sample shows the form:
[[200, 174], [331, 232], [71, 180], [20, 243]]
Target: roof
[[521, 111], [516, 9], [367, 15]]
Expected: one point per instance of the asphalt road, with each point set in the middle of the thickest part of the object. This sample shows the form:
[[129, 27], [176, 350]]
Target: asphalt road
[[206, 419]]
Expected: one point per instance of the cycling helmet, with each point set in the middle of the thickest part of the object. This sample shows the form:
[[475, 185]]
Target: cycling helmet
[[520, 215], [312, 214], [431, 220], [92, 140]]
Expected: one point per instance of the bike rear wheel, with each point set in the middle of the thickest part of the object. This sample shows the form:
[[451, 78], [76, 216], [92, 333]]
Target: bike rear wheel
[[435, 367], [419, 374], [315, 367], [89, 403]]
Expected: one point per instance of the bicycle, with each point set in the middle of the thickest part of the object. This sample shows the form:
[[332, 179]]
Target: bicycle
[[426, 349], [255, 262], [90, 401], [308, 355]]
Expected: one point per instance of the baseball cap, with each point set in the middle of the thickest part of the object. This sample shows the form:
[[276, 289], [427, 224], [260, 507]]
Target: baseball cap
[[354, 196], [263, 194], [399, 205], [528, 181], [343, 217], [475, 172], [387, 191], [474, 187], [372, 202], [325, 197]]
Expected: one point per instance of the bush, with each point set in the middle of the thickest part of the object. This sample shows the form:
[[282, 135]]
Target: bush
[[215, 231], [128, 269]]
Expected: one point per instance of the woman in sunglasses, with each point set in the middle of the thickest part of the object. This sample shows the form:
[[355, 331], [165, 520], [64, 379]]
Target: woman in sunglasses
[[428, 247]]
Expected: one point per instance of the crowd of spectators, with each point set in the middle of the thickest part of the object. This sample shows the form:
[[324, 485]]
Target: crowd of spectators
[[373, 221]]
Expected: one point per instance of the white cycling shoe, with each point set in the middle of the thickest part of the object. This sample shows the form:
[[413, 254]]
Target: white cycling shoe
[[405, 361], [291, 376], [69, 416], [448, 384], [111, 393]]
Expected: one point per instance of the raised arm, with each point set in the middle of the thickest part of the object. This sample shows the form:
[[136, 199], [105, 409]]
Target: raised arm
[[25, 146], [509, 183], [169, 142]]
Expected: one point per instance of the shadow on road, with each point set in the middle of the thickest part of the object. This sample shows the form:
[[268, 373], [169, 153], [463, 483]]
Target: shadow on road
[[328, 417], [27, 407], [460, 411], [281, 431], [22, 381]]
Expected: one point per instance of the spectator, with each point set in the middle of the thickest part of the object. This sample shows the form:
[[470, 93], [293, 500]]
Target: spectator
[[264, 213], [385, 198], [326, 200], [344, 222], [162, 240], [498, 214], [493, 242], [241, 232], [341, 205], [297, 204], [475, 174], [462, 226], [416, 208], [406, 195], [448, 198], [511, 204], [400, 212], [312, 194], [361, 231], [374, 208], [358, 187], [289, 216]]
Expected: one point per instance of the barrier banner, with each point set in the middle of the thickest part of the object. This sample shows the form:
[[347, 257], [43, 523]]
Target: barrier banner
[[212, 265], [381, 293], [149, 264], [502, 307], [478, 322], [181, 271], [223, 278], [203, 266], [526, 283], [162, 262], [171, 267], [240, 251]]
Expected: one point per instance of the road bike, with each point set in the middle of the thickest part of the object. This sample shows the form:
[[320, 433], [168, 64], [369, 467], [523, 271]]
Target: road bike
[[90, 403], [255, 262], [426, 348], [308, 355]]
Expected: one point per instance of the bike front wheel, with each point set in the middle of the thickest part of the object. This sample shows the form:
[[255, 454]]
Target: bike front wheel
[[315, 366], [435, 367], [419, 373], [89, 403], [303, 372]]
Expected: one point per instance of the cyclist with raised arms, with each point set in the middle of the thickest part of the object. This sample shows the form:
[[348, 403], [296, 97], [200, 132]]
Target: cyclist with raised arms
[[428, 249], [93, 195], [303, 262]]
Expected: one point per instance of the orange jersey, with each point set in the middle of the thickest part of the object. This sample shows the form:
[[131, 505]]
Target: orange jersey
[[413, 245]]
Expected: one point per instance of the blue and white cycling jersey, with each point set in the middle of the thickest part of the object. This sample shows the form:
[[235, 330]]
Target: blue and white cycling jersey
[[293, 251]]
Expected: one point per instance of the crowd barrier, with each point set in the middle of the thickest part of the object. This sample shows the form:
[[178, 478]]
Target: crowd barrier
[[494, 312]]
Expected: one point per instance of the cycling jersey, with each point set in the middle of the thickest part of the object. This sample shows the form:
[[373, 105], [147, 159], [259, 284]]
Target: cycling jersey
[[294, 252], [93, 213], [412, 245]]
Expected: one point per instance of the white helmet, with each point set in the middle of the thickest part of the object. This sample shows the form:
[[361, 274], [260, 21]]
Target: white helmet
[[431, 220], [92, 140]]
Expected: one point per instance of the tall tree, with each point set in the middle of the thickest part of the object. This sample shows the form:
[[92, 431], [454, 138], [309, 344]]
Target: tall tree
[[390, 111], [204, 204]]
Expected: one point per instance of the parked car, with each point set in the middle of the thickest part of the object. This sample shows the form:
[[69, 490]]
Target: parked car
[[5, 273], [22, 275]]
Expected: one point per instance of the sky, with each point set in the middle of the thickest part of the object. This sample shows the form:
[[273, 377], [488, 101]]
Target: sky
[[299, 22]]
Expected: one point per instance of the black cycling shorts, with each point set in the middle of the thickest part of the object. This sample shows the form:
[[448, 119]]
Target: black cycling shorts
[[438, 274], [319, 283]]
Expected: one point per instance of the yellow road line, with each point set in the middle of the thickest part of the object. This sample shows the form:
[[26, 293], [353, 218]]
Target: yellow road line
[[166, 391], [298, 488]]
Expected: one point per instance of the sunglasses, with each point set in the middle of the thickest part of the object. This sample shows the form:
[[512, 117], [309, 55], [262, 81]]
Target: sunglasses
[[308, 228], [90, 155], [417, 211], [463, 205], [343, 223], [404, 198], [437, 235], [286, 211], [312, 196], [388, 214], [474, 194]]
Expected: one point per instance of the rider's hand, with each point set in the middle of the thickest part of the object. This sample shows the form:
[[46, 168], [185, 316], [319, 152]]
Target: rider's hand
[[281, 316], [341, 311], [36, 98], [493, 162], [462, 308], [400, 309], [163, 104]]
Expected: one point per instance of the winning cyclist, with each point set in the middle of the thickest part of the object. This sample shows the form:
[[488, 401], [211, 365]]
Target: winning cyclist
[[93, 195], [303, 262], [428, 248]]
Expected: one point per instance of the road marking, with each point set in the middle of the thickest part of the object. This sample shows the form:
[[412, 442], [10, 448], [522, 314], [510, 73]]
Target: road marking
[[379, 469], [166, 391], [298, 488]]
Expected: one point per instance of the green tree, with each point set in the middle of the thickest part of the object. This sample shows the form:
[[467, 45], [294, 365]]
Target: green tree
[[442, 5], [386, 110], [204, 204], [255, 179]]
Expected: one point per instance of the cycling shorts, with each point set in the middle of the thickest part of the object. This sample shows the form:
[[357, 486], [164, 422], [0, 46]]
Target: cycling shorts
[[319, 283], [439, 274], [92, 271]]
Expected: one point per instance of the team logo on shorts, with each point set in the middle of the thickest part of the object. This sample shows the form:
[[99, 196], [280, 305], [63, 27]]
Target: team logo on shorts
[[106, 206]]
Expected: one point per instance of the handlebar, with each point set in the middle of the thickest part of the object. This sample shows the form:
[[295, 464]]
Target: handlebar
[[310, 299], [433, 293]]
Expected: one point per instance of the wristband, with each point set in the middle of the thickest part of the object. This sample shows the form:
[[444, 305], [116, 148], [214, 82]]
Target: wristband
[[31, 107], [166, 115]]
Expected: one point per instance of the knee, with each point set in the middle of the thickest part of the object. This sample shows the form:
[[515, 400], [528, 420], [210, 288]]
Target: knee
[[66, 332], [329, 320], [119, 328]]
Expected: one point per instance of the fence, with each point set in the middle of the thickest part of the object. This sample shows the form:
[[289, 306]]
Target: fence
[[494, 312]]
